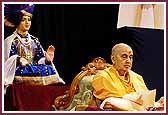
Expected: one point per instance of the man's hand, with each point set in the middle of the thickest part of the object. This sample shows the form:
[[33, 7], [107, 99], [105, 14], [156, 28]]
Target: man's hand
[[50, 53], [160, 102], [23, 61]]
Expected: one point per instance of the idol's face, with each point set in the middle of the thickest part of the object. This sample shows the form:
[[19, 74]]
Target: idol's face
[[123, 59], [25, 24]]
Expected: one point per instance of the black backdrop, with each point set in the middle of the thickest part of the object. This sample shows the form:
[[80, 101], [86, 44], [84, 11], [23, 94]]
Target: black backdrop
[[82, 32], [148, 47], [79, 32]]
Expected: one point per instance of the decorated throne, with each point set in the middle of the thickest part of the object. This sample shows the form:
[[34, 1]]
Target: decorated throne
[[80, 95]]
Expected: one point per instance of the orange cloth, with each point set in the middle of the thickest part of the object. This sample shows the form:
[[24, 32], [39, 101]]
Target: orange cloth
[[108, 83]]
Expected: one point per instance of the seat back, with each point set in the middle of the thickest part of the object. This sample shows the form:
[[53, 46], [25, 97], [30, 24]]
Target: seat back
[[81, 88]]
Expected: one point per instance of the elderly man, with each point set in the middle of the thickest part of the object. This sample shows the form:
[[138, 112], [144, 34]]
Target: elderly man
[[113, 83]]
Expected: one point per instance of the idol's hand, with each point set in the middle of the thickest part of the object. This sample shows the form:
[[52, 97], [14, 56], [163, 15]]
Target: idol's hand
[[23, 61], [50, 53]]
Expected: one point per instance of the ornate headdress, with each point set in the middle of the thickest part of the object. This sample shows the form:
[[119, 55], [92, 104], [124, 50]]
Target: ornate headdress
[[14, 12]]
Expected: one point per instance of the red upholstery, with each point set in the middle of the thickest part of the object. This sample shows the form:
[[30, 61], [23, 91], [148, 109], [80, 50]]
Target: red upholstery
[[32, 98]]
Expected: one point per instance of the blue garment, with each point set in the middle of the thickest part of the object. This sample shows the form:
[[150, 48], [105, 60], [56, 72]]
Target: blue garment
[[33, 52], [34, 70], [34, 49]]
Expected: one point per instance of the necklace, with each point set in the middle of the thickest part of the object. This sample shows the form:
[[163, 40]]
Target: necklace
[[24, 42]]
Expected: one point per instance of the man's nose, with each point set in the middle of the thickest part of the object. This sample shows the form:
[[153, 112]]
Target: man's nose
[[128, 60]]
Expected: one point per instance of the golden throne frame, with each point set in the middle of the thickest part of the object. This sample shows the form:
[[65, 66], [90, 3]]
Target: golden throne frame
[[63, 102]]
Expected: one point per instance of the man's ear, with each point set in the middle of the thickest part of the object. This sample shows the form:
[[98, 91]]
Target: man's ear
[[112, 59]]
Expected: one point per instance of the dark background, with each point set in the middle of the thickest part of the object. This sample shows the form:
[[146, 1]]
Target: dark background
[[82, 32]]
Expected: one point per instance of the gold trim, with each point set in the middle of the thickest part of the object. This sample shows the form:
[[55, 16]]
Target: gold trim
[[37, 80]]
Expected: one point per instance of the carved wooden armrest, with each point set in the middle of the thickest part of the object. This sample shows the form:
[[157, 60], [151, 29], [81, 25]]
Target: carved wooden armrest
[[63, 102]]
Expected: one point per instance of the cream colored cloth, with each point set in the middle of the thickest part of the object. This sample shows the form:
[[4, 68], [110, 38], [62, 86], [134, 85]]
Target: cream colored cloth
[[135, 101], [121, 104], [10, 62], [144, 98]]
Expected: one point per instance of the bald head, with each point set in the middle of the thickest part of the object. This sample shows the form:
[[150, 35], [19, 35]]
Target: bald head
[[119, 47], [122, 57]]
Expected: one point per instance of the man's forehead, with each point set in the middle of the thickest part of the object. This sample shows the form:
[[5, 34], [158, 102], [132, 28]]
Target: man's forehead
[[127, 52], [123, 49]]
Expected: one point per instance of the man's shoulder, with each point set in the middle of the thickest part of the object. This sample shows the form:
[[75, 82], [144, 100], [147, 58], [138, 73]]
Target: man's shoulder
[[103, 73], [135, 74]]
